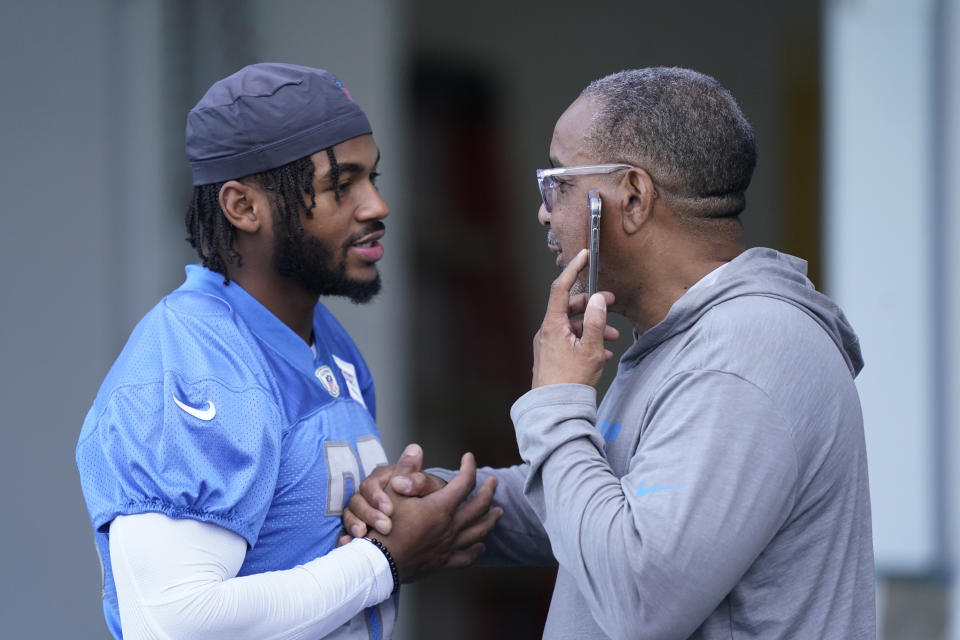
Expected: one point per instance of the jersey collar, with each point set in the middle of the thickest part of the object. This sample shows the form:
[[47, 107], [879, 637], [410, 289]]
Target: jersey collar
[[258, 318]]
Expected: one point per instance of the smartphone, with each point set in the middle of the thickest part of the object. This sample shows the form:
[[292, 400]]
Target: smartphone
[[593, 200]]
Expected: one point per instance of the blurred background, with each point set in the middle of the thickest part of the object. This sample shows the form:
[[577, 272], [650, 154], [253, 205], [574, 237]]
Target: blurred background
[[856, 106]]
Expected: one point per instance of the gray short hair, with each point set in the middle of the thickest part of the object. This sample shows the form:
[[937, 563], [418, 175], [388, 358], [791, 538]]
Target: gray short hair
[[684, 128]]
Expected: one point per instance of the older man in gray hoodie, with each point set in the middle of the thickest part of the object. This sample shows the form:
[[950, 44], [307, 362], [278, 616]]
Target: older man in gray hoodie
[[720, 488]]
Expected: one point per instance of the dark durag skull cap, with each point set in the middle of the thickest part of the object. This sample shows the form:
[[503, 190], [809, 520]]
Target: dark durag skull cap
[[265, 116]]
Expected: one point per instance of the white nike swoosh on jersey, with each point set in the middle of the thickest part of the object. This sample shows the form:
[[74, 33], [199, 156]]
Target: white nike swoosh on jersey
[[201, 414]]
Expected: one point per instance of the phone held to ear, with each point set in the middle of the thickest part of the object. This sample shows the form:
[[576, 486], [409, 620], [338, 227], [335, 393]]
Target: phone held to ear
[[593, 199]]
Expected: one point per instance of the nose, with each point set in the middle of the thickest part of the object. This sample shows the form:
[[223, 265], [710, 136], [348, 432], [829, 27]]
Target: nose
[[543, 215], [374, 207]]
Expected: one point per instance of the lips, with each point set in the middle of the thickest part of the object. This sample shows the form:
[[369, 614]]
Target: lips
[[554, 246], [558, 251], [368, 247]]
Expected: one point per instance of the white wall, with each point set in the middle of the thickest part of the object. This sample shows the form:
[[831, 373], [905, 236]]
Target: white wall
[[60, 292]]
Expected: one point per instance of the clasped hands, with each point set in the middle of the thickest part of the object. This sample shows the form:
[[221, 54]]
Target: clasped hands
[[424, 522]]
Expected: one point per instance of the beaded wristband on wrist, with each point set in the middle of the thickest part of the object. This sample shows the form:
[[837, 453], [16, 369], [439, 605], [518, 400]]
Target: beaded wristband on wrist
[[393, 565]]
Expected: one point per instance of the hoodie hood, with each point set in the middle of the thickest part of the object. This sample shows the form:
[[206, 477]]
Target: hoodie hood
[[755, 272]]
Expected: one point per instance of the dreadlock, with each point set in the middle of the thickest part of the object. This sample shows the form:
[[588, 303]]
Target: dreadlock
[[334, 173], [212, 235]]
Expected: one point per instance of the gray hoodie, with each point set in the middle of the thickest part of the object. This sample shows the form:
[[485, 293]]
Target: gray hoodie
[[720, 489]]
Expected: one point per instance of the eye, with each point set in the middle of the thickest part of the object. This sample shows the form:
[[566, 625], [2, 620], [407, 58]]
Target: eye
[[373, 177]]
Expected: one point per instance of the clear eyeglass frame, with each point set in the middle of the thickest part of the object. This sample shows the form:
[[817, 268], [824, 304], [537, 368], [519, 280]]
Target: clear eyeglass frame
[[548, 183]]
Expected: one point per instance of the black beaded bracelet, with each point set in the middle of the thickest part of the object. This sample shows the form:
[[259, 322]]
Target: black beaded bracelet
[[390, 561]]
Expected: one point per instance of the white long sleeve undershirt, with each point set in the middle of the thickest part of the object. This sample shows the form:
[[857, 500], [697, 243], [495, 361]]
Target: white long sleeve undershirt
[[177, 578]]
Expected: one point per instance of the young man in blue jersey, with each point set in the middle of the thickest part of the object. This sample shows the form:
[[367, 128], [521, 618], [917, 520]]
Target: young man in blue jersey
[[238, 419], [719, 489]]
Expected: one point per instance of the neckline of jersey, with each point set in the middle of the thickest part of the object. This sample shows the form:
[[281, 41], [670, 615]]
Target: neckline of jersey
[[261, 320]]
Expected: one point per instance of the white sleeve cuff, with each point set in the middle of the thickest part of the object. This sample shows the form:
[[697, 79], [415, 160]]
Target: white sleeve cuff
[[382, 577]]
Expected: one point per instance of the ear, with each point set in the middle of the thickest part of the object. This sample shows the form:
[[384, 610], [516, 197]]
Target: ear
[[241, 205], [638, 195]]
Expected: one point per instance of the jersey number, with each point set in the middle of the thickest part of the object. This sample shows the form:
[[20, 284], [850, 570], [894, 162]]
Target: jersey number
[[344, 463]]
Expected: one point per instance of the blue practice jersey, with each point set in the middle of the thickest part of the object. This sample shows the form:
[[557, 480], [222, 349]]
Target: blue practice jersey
[[217, 411]]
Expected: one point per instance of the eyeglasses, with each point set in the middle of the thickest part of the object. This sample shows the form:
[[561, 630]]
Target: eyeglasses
[[547, 178]]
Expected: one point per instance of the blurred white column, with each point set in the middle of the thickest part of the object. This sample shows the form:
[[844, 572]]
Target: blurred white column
[[884, 262], [950, 177]]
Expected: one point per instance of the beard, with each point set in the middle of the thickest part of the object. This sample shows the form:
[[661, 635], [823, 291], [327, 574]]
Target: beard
[[319, 268], [578, 287]]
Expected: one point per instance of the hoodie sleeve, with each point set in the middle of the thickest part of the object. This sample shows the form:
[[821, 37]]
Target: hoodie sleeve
[[518, 539], [711, 481]]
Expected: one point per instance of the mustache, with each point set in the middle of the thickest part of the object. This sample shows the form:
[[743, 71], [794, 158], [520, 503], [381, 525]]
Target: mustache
[[373, 227]]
